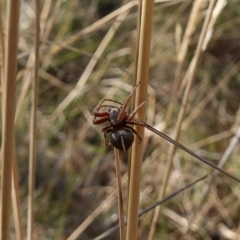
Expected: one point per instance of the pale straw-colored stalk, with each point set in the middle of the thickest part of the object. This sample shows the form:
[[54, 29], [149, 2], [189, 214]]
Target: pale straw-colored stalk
[[33, 126], [2, 47], [15, 179], [190, 29], [16, 200], [141, 93], [9, 102], [191, 75], [50, 23], [17, 216], [132, 103], [120, 197]]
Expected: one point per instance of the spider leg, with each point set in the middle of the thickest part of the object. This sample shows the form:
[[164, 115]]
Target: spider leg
[[135, 121], [124, 106], [134, 131], [99, 121], [100, 104], [105, 131], [132, 115], [111, 106], [95, 111], [111, 100]]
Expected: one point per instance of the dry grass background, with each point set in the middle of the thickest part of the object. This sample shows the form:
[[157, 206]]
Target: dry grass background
[[87, 50]]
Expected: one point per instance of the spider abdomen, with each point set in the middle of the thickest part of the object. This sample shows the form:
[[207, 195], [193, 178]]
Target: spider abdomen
[[122, 139]]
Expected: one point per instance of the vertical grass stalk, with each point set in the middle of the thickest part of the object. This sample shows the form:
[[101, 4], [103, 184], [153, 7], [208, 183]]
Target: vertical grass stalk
[[142, 74], [15, 180], [2, 47], [16, 199], [32, 150], [120, 198], [9, 102], [191, 27]]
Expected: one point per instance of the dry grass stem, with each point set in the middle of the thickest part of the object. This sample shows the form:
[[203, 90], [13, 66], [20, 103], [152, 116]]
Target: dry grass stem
[[205, 192], [33, 127], [233, 143], [137, 151], [64, 184], [191, 74], [227, 77], [88, 70], [2, 47], [104, 206], [18, 220], [95, 25], [212, 139], [26, 83], [120, 197], [220, 4], [15, 180], [54, 81], [146, 210], [49, 24], [9, 101], [190, 29]]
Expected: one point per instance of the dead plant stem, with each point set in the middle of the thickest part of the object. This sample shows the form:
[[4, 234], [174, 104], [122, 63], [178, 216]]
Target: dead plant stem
[[120, 197], [92, 63], [9, 101], [137, 150], [33, 126], [16, 200], [190, 77]]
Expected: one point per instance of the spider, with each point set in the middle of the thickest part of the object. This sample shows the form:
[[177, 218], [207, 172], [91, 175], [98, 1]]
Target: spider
[[120, 133]]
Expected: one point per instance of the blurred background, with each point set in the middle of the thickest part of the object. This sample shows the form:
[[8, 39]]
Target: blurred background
[[87, 53]]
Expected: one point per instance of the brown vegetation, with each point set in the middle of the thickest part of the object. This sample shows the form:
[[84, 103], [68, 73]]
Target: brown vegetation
[[86, 53]]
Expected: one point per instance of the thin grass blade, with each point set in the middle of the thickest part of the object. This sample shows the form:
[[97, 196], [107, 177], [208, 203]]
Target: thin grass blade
[[144, 211], [185, 149]]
